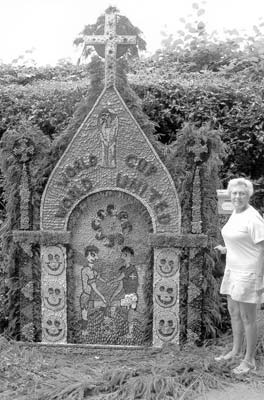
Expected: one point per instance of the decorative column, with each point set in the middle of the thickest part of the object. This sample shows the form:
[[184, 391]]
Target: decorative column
[[166, 296], [195, 273], [196, 203], [53, 294], [169, 310], [24, 150]]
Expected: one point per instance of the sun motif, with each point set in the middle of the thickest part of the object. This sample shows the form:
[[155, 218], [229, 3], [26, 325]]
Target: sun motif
[[111, 226]]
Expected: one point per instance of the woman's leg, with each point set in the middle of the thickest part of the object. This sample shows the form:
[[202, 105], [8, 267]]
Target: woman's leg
[[248, 314], [237, 326]]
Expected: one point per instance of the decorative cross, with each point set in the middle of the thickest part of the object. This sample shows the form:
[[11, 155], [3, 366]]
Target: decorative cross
[[111, 40], [133, 276]]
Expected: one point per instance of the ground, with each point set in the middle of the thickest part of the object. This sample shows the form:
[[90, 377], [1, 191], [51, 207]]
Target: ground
[[238, 391], [68, 373]]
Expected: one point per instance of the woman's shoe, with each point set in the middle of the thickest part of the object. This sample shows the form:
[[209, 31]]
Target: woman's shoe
[[244, 368], [226, 357]]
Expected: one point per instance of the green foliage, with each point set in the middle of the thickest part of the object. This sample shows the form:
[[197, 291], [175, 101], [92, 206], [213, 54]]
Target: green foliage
[[194, 49], [47, 96], [194, 147], [199, 77], [208, 98], [3, 290]]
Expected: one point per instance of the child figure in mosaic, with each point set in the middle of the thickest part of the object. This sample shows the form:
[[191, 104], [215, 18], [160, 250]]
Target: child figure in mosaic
[[89, 279], [128, 283]]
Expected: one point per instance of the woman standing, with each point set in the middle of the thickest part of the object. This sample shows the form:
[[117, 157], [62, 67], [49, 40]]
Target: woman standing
[[243, 281]]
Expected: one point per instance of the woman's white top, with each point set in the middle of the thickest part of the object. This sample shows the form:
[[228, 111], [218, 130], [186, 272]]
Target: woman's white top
[[242, 235]]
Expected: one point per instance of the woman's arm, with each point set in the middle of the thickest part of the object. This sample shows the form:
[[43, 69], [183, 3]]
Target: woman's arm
[[260, 271]]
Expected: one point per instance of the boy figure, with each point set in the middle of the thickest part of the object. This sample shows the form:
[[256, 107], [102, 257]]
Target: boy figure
[[89, 278], [128, 283]]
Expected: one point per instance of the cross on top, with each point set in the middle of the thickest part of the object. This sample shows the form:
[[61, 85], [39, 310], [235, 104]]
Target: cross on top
[[111, 40]]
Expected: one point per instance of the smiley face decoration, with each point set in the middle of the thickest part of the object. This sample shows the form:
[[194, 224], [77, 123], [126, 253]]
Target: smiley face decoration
[[53, 260], [167, 262], [166, 293], [53, 328], [53, 296], [166, 326]]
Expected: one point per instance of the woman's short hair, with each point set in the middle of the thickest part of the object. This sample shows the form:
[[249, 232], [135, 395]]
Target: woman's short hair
[[240, 182]]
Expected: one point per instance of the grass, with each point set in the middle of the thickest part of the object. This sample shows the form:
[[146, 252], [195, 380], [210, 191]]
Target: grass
[[69, 373], [35, 372]]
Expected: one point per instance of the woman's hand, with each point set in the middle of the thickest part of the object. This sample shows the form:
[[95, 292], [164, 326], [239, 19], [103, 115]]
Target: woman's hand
[[260, 291], [221, 249], [260, 285]]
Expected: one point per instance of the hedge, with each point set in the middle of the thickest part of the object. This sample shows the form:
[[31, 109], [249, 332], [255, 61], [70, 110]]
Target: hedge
[[48, 97]]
